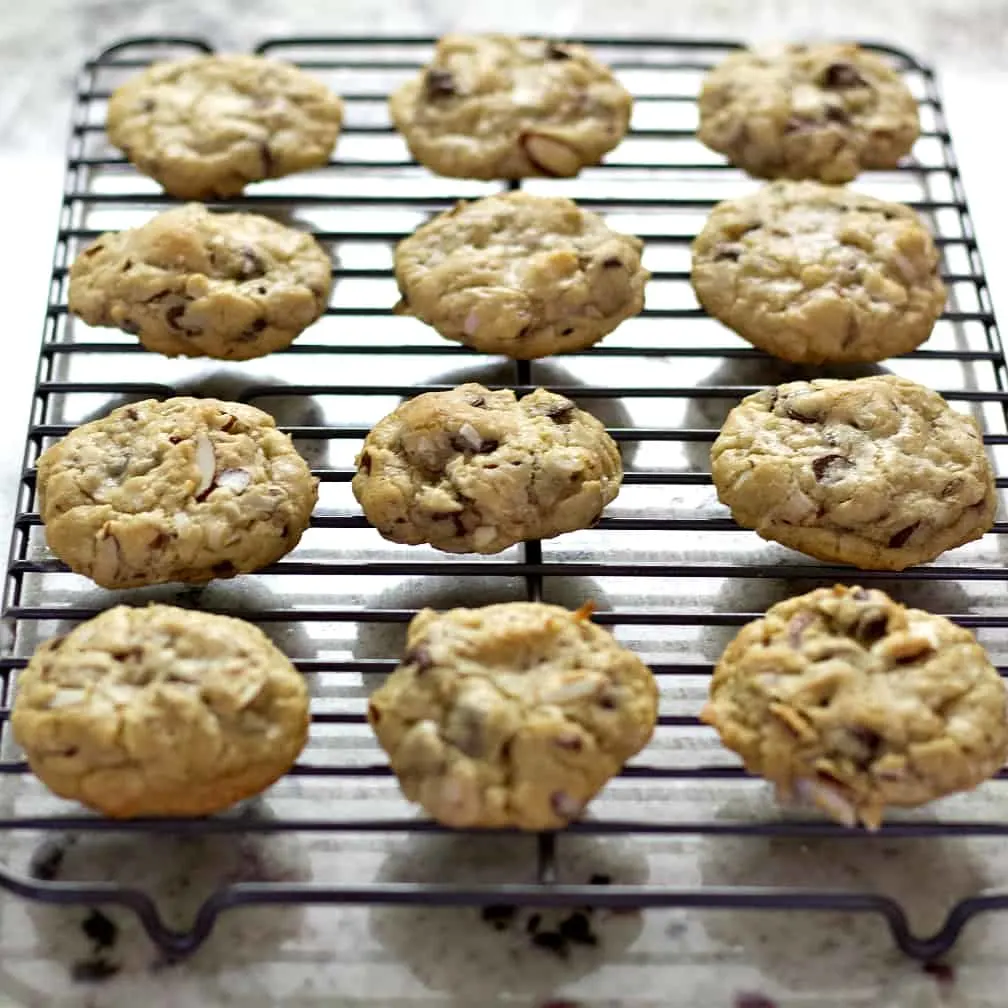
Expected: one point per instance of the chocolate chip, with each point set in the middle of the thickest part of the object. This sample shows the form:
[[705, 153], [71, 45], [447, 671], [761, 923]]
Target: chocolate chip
[[898, 539], [552, 941], [102, 930], [614, 262], [129, 326], [253, 330], [160, 541], [942, 972], [127, 265], [871, 627], [499, 915], [419, 656], [728, 253], [365, 463], [838, 115], [827, 468], [439, 84], [577, 929], [556, 52], [525, 330], [870, 741], [251, 264], [560, 413], [224, 569], [567, 331], [841, 75], [532, 924], [607, 701]]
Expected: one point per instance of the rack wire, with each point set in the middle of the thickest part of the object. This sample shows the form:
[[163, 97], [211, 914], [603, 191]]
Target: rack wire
[[671, 574]]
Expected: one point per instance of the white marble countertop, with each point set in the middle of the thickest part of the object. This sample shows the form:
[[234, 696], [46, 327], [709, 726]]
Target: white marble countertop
[[416, 959]]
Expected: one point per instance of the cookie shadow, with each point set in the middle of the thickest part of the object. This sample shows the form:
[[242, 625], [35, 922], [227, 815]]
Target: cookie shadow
[[179, 872], [926, 877], [458, 950], [710, 412], [384, 641]]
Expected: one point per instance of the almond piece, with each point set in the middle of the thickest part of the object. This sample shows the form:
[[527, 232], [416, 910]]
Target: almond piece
[[206, 464], [550, 155], [234, 479]]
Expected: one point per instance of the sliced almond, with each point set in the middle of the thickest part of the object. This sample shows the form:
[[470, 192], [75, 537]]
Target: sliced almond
[[234, 479], [550, 155], [66, 698], [828, 800], [572, 689], [471, 436], [206, 464]]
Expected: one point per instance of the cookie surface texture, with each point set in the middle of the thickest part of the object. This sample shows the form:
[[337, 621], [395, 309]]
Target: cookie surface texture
[[204, 127], [181, 490], [846, 699], [497, 106], [514, 714], [475, 471], [197, 284], [521, 275], [822, 112], [877, 472], [160, 711], [813, 273]]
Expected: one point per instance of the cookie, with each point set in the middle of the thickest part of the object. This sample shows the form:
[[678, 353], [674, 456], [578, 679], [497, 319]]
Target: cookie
[[502, 107], [845, 699], [180, 490], [877, 472], [160, 711], [204, 127], [814, 274], [824, 111], [521, 275], [475, 471], [192, 283], [512, 715]]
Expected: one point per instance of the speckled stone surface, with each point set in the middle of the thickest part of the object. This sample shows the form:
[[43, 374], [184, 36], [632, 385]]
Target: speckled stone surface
[[418, 958]]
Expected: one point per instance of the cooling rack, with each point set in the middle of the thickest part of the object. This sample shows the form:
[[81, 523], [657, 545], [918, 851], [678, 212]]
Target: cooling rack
[[670, 573]]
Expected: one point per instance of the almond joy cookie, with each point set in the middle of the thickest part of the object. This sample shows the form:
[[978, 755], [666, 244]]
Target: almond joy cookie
[[512, 715], [475, 471], [521, 275], [206, 126], [192, 283], [823, 111], [158, 711], [878, 472], [181, 490], [498, 106], [815, 274], [844, 699]]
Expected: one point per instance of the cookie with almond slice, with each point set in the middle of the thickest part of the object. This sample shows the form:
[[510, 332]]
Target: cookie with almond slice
[[849, 701], [181, 490], [511, 715], [159, 711]]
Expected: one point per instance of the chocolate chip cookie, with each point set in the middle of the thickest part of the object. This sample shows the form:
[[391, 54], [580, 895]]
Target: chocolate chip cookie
[[847, 700], [497, 106], [822, 111], [160, 711], [514, 714], [180, 490], [521, 275], [206, 126], [815, 274], [192, 283], [475, 471], [877, 472]]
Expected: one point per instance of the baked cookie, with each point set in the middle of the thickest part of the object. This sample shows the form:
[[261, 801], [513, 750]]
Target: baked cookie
[[512, 715], [180, 490], [206, 126], [846, 699], [192, 283], [497, 106], [475, 471], [814, 274], [877, 472], [822, 111], [521, 275], [160, 711]]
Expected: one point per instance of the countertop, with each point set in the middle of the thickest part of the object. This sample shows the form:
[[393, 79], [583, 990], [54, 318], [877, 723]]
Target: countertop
[[409, 959]]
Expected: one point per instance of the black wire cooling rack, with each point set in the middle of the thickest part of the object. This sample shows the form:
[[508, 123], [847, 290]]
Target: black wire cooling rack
[[671, 574]]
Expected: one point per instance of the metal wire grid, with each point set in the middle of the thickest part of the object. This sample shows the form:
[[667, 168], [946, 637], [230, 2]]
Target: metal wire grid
[[673, 574]]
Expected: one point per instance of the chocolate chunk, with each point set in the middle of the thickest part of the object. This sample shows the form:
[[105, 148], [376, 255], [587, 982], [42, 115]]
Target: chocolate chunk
[[728, 253], [871, 627], [607, 701], [901, 538], [419, 656], [251, 264], [552, 941], [577, 929], [173, 315], [365, 462], [869, 741], [827, 468], [439, 84], [101, 929], [841, 75], [942, 972], [127, 265], [561, 413], [838, 115], [613, 262], [556, 52], [499, 915], [254, 329]]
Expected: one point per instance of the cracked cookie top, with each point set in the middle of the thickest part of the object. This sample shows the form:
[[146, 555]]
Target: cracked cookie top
[[206, 126], [846, 699], [181, 490], [878, 472], [475, 471], [823, 111], [814, 273], [498, 106], [522, 275], [160, 711], [197, 284], [511, 715]]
